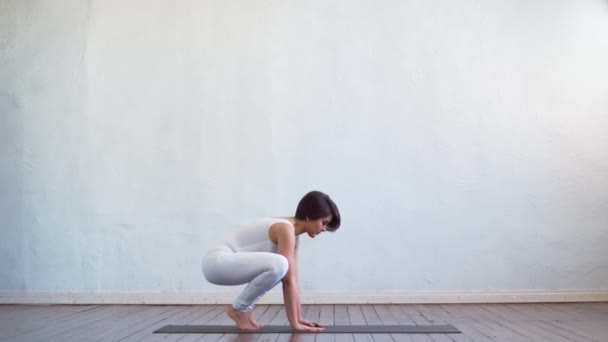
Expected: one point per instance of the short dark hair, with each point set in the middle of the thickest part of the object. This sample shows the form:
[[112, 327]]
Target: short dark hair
[[315, 205]]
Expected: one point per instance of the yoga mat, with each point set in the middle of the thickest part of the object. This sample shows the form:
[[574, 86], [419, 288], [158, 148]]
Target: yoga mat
[[330, 329]]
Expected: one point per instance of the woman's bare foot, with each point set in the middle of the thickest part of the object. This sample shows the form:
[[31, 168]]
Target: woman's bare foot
[[241, 319], [252, 320]]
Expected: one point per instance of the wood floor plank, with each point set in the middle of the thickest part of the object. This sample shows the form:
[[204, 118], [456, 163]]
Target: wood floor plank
[[440, 338], [568, 310], [400, 318], [313, 313], [548, 313], [96, 327], [35, 321], [326, 317], [509, 318], [280, 318], [600, 305], [73, 322], [465, 319], [203, 338], [542, 322], [570, 327], [12, 313], [269, 314], [37, 313], [342, 318], [400, 315], [145, 316], [357, 317], [436, 314], [504, 317], [504, 332], [555, 313], [370, 316], [259, 311], [182, 318], [146, 327], [428, 315], [524, 324], [536, 329], [432, 313], [341, 315], [293, 337], [373, 318], [385, 316], [130, 325], [593, 329], [442, 316], [524, 312], [563, 331], [218, 312], [593, 309]]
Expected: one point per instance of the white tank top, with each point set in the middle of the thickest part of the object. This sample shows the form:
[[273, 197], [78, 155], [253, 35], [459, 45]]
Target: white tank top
[[253, 237]]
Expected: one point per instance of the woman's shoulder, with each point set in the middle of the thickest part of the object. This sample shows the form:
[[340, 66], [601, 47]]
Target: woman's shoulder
[[270, 221], [263, 224], [278, 227], [275, 220]]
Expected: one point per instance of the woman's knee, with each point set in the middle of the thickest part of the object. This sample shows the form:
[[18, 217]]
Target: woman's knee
[[281, 266]]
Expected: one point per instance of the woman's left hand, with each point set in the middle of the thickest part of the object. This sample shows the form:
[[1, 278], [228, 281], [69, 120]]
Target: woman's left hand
[[311, 323]]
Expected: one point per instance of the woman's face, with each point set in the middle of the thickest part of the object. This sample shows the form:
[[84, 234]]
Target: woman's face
[[318, 226]]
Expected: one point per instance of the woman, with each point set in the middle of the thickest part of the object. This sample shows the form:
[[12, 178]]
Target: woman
[[265, 253]]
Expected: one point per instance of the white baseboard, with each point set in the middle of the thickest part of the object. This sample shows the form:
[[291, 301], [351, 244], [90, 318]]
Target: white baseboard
[[312, 298]]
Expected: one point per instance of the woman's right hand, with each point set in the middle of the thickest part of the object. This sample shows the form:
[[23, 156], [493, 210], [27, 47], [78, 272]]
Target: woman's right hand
[[303, 327]]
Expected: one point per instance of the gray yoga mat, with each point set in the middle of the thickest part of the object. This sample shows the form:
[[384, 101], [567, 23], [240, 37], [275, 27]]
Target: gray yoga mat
[[330, 329]]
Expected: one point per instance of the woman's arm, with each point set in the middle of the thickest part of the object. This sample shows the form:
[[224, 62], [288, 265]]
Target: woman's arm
[[286, 241], [301, 319], [297, 272]]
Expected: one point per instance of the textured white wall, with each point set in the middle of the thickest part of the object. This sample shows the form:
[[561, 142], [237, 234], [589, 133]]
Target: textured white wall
[[465, 142]]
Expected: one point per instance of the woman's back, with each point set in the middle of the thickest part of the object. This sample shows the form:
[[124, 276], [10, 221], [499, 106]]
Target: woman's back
[[254, 237]]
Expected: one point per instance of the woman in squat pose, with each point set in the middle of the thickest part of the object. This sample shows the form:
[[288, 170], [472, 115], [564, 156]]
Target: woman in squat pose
[[264, 253]]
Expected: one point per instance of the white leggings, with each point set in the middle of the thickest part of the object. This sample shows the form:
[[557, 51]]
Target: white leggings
[[262, 270]]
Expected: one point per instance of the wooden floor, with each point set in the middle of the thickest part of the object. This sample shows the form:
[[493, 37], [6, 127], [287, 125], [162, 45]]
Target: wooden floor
[[492, 322]]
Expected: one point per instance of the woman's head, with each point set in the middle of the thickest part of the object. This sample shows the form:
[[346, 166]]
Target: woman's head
[[315, 205]]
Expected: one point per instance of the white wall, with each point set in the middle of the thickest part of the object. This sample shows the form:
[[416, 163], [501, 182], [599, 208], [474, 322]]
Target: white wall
[[465, 142]]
